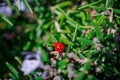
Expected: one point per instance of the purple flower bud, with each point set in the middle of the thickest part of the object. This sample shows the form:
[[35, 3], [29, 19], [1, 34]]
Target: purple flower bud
[[30, 65], [57, 78], [70, 71], [5, 10], [44, 75]]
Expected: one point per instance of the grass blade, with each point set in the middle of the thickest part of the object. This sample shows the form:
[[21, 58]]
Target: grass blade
[[75, 33], [89, 5], [63, 4], [28, 6], [8, 21], [14, 71]]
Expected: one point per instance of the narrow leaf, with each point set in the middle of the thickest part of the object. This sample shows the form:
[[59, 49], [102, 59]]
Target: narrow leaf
[[14, 71]]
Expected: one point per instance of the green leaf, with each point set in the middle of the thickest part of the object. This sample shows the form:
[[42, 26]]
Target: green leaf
[[12, 76], [90, 77], [107, 70], [6, 20], [75, 34], [87, 66], [98, 31], [92, 4], [63, 4], [47, 25], [13, 70], [84, 42], [39, 78], [19, 60], [44, 56], [28, 6], [27, 46], [90, 35], [80, 28], [79, 53], [66, 16], [81, 76], [62, 64], [99, 19], [109, 3], [87, 41], [98, 8], [116, 11], [96, 24], [9, 3], [117, 16], [65, 40]]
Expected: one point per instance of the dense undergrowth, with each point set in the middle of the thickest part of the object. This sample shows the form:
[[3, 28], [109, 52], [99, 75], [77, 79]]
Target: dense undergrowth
[[89, 29]]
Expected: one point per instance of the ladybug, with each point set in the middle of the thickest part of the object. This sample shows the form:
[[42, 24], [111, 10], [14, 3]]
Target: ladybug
[[58, 46]]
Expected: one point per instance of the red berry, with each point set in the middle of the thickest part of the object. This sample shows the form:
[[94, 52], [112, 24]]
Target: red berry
[[58, 46]]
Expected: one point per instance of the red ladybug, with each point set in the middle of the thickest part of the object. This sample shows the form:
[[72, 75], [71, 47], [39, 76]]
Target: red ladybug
[[58, 46]]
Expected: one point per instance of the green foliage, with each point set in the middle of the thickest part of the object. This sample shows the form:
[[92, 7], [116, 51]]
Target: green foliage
[[15, 74], [44, 56], [88, 28]]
